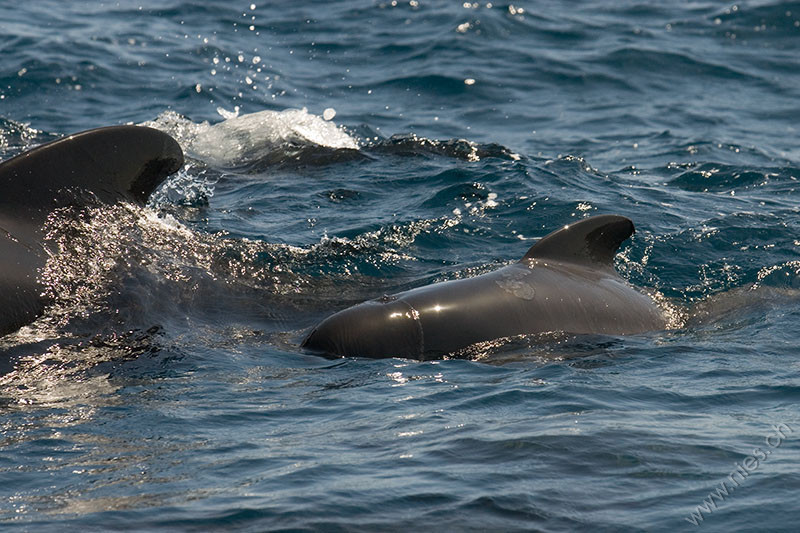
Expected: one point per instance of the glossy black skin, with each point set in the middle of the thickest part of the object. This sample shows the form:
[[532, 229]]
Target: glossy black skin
[[566, 282], [106, 165]]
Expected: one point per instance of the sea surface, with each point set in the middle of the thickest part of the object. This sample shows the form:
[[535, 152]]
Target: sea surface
[[338, 151]]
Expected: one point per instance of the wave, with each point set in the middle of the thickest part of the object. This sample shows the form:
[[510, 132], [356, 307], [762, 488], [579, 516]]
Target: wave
[[411, 144], [668, 65], [712, 177], [239, 140]]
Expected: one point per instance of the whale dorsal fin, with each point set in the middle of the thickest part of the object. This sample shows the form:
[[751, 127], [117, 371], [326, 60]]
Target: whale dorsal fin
[[592, 241], [117, 163], [114, 163]]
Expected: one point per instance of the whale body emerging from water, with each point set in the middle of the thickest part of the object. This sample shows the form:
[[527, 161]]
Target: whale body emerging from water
[[106, 165], [566, 282]]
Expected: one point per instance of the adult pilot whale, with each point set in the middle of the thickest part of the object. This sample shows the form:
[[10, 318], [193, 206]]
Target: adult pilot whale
[[566, 282], [106, 165]]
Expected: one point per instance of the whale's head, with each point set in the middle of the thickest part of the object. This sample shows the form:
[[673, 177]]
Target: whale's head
[[377, 328]]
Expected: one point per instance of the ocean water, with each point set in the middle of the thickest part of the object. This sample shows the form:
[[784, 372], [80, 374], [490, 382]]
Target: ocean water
[[338, 151]]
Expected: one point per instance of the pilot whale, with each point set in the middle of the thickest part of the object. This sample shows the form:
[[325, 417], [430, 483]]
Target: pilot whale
[[106, 165], [566, 282]]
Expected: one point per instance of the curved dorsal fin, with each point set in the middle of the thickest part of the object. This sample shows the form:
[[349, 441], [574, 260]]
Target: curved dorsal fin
[[592, 241], [118, 163], [114, 163]]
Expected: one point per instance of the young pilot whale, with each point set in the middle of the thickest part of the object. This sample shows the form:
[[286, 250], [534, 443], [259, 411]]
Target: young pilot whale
[[566, 282], [112, 164]]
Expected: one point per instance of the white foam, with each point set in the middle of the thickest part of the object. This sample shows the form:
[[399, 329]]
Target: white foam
[[240, 138], [233, 139]]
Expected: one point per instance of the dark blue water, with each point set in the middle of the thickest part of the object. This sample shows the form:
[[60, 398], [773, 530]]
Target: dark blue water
[[165, 389]]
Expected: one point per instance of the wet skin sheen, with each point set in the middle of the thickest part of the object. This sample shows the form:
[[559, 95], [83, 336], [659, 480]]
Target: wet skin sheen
[[566, 282]]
